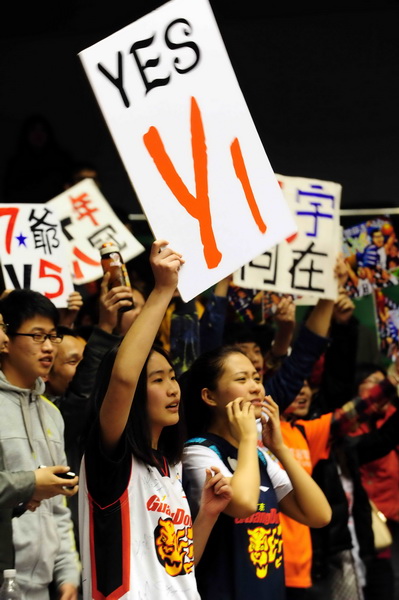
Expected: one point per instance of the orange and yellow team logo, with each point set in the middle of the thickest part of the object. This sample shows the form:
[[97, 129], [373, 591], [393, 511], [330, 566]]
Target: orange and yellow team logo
[[174, 547], [265, 548]]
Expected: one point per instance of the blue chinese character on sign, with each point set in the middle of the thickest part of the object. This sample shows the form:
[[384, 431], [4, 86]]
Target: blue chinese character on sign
[[316, 199]]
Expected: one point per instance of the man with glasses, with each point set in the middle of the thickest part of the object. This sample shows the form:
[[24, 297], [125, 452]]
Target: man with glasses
[[23, 490], [32, 434]]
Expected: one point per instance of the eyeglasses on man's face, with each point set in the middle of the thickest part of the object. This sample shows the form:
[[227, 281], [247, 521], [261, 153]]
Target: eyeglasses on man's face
[[40, 338], [4, 326]]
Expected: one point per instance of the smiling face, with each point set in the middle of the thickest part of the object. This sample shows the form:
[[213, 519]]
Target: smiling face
[[23, 360], [300, 406], [163, 395], [238, 378]]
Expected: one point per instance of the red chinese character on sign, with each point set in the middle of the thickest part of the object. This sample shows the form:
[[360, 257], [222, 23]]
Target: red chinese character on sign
[[80, 205], [81, 256]]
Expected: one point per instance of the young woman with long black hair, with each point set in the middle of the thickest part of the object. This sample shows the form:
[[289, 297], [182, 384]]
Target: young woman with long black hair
[[137, 535]]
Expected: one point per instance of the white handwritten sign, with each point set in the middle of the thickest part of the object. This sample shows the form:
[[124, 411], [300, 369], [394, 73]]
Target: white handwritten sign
[[87, 222], [179, 120], [304, 264], [33, 251]]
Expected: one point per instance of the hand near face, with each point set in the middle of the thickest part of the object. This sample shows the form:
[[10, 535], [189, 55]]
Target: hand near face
[[242, 421], [271, 431]]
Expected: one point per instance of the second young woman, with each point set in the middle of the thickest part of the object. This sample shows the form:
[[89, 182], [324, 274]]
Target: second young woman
[[224, 397]]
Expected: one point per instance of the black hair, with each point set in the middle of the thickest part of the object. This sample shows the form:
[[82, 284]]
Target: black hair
[[364, 370], [20, 305], [64, 330], [138, 433], [241, 333], [83, 331], [371, 230], [204, 372]]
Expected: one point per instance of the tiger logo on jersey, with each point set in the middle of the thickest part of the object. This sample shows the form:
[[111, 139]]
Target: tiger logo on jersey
[[265, 549], [174, 547]]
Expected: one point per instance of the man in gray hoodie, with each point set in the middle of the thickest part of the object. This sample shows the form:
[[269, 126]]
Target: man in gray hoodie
[[32, 434], [23, 490]]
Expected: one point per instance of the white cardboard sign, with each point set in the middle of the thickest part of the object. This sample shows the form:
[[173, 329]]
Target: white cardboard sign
[[304, 264], [87, 222], [33, 251], [179, 120]]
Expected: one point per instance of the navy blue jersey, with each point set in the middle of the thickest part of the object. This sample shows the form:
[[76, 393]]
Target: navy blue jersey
[[243, 557]]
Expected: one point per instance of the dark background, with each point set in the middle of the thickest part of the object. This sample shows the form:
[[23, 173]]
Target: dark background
[[321, 80]]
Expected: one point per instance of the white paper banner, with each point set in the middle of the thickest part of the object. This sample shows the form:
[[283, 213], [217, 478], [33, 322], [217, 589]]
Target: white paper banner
[[303, 265], [33, 251], [178, 118], [87, 222]]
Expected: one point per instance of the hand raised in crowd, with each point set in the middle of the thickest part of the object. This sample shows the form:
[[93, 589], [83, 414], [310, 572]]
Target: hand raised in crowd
[[343, 308], [285, 312], [284, 318], [68, 314], [341, 271], [110, 301], [165, 264]]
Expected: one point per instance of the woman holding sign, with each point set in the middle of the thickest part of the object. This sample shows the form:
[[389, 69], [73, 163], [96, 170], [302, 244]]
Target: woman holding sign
[[135, 522]]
